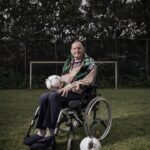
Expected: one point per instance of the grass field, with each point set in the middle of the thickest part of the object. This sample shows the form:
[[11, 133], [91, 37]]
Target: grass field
[[130, 109]]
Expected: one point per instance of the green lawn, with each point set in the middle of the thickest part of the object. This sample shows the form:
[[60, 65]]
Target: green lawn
[[131, 119]]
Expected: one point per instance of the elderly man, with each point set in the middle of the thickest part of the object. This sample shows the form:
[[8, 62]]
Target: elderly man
[[79, 69]]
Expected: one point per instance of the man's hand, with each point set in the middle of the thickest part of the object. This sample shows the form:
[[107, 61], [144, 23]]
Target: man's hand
[[65, 90]]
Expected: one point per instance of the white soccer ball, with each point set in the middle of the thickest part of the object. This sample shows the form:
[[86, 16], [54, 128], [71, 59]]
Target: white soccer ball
[[53, 82], [90, 143]]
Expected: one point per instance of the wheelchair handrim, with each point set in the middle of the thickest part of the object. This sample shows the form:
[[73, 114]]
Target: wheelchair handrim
[[88, 111]]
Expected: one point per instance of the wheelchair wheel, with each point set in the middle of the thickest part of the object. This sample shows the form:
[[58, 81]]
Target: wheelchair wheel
[[63, 119], [98, 118], [70, 144]]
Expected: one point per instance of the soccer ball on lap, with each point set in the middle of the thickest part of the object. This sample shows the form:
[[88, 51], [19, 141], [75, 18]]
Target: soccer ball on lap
[[53, 82]]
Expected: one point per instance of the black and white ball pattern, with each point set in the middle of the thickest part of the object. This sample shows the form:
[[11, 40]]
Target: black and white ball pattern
[[90, 143], [53, 82]]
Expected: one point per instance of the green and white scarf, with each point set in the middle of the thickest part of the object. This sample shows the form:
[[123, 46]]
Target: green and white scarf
[[87, 65]]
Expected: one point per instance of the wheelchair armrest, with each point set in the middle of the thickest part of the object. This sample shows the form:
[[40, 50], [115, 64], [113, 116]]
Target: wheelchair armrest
[[93, 86], [91, 89], [90, 86], [90, 93]]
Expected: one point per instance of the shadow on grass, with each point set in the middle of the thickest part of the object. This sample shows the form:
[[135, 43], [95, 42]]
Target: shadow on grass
[[128, 127], [79, 135], [122, 129]]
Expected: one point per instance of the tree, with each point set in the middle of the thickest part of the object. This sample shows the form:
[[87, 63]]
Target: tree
[[112, 19], [40, 19], [67, 20], [142, 14]]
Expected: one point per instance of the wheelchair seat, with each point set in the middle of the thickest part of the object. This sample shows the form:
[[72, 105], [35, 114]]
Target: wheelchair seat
[[78, 105]]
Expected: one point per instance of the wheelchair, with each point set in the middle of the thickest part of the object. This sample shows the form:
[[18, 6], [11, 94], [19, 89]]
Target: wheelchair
[[92, 113]]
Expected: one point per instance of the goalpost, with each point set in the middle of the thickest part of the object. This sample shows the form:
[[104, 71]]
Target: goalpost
[[62, 62]]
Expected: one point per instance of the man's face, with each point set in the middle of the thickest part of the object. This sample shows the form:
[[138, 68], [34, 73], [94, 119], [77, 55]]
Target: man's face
[[77, 50]]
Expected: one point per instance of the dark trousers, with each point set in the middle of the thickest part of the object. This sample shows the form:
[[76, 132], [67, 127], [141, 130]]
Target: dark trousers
[[50, 106]]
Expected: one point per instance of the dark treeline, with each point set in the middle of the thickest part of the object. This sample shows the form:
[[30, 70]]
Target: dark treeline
[[67, 20]]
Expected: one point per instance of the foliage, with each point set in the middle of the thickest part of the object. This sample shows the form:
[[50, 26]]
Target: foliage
[[112, 19], [67, 20], [39, 19]]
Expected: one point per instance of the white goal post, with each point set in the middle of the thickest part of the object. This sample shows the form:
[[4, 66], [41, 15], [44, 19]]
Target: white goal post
[[62, 62]]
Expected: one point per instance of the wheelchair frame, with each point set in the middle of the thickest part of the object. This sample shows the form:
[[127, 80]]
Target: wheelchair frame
[[89, 118]]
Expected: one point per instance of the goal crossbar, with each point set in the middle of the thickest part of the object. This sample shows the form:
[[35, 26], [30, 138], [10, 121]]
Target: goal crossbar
[[62, 62]]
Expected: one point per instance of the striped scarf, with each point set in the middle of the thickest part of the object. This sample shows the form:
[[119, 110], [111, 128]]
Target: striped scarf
[[87, 65]]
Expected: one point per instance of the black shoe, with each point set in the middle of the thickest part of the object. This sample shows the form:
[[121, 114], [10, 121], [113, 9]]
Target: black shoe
[[44, 144], [29, 140]]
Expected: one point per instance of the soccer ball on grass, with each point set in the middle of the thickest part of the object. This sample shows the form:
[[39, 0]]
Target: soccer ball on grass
[[90, 143]]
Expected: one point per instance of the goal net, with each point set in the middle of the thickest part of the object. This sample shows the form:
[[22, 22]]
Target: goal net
[[107, 75]]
